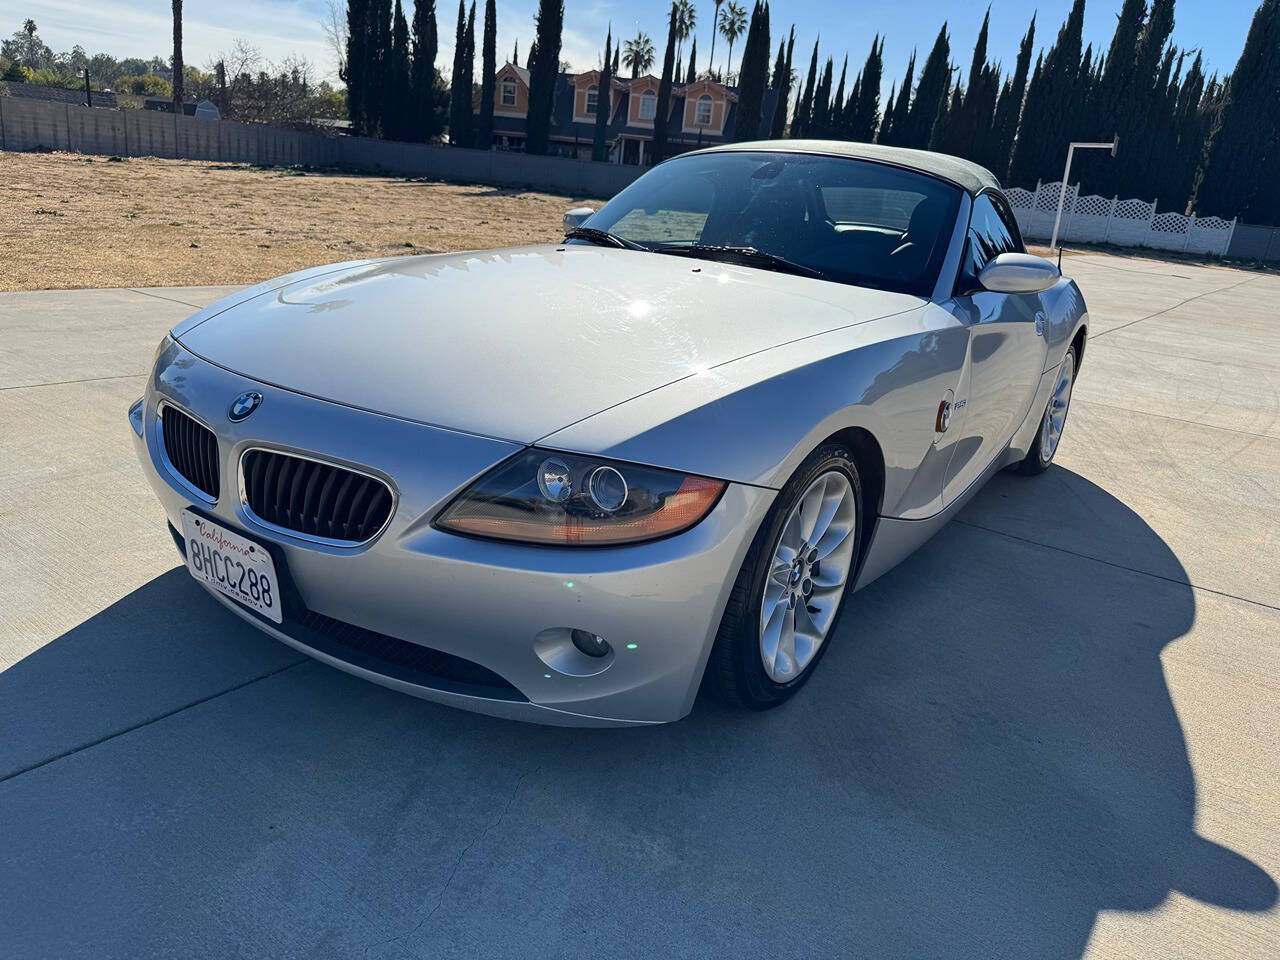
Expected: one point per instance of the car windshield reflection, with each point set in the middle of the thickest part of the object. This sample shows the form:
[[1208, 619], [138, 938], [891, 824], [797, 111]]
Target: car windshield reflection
[[831, 218]]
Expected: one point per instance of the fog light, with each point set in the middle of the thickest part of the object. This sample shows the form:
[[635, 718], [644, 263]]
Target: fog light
[[589, 643]]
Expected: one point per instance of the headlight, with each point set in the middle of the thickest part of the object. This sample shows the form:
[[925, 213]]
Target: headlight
[[540, 496]]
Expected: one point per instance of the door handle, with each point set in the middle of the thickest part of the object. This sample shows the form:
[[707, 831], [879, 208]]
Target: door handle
[[1040, 326]]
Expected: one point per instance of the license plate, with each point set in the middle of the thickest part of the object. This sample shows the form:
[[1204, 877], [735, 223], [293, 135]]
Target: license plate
[[231, 564]]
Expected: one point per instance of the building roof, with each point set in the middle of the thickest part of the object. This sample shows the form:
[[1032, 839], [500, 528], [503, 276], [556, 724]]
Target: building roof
[[964, 174], [73, 96], [520, 72]]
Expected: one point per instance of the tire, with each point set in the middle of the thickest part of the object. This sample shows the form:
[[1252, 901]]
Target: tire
[[736, 671], [1044, 447]]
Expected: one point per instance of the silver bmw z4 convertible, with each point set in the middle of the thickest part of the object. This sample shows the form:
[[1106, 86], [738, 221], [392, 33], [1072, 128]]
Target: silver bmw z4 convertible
[[573, 483]]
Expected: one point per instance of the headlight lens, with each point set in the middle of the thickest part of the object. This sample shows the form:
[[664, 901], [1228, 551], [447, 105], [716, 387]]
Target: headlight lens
[[540, 496]]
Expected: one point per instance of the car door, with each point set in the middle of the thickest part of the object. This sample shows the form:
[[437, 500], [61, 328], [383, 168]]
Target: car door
[[1006, 349]]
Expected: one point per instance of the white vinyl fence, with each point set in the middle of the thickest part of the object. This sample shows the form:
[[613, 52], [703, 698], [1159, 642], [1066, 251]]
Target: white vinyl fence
[[1125, 223]]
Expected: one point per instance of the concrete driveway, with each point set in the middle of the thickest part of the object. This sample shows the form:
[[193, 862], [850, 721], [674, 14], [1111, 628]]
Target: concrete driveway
[[1051, 733]]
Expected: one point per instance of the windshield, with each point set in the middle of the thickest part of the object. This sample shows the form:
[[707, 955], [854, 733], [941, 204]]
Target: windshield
[[849, 221]]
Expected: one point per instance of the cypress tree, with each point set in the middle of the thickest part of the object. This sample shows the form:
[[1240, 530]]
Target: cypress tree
[[901, 108], [804, 106], [543, 73], [973, 115], [1009, 107], [930, 97], [599, 145], [1188, 131], [692, 75], [378, 61], [488, 76], [424, 123], [837, 103], [531, 55], [1241, 167], [848, 113], [1143, 164], [886, 125], [459, 99], [979, 117], [617, 59], [779, 66], [820, 122], [782, 83], [946, 124], [398, 79], [1051, 109], [355, 70], [753, 75], [865, 115], [663, 114]]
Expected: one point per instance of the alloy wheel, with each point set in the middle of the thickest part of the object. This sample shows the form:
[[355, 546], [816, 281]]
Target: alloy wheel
[[1055, 414], [807, 576]]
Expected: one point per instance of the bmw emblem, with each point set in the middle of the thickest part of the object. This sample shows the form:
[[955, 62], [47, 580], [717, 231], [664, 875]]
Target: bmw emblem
[[244, 405]]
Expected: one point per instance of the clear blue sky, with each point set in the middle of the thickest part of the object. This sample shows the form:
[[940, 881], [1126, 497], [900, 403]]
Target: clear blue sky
[[281, 27]]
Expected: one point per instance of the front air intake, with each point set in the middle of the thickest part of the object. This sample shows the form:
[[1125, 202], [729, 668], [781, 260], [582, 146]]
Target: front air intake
[[192, 450], [312, 498]]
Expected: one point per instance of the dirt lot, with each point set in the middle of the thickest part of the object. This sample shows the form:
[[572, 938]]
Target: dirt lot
[[68, 220]]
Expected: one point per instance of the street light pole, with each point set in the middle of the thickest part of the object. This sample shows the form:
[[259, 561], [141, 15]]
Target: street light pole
[[1066, 177]]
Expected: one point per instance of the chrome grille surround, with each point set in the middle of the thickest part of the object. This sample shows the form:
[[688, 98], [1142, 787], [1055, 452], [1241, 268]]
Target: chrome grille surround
[[194, 461], [309, 508]]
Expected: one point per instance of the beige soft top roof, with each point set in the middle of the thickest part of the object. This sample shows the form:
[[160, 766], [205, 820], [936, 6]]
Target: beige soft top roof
[[962, 173]]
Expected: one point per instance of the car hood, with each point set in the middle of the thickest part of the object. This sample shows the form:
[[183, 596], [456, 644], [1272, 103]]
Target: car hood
[[518, 343]]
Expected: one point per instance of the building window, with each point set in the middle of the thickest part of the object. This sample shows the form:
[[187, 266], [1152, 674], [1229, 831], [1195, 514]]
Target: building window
[[508, 93], [593, 100], [702, 112], [648, 105]]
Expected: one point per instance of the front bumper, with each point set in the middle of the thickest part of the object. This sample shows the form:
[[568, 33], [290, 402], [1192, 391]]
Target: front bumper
[[499, 605]]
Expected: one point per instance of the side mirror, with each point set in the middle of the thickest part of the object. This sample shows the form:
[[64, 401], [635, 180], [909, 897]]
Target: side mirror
[[577, 217], [1018, 273]]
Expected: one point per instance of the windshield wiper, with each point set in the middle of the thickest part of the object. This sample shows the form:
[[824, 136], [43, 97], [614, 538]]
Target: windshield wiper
[[603, 238], [748, 256]]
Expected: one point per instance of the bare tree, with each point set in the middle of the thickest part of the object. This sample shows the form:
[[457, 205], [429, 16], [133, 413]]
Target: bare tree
[[334, 25]]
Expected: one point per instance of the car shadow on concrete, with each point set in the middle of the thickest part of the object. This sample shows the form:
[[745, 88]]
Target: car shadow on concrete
[[988, 757]]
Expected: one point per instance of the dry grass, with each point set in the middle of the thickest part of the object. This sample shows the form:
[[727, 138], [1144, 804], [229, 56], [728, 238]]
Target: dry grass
[[75, 221]]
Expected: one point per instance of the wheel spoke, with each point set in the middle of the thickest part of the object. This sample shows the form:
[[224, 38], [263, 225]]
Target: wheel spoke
[[827, 511], [771, 632], [780, 572], [774, 594], [784, 661], [832, 539], [807, 625], [811, 508]]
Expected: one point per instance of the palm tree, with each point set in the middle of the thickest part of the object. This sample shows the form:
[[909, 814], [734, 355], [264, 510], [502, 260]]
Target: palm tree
[[733, 24], [638, 54], [715, 28], [177, 56], [686, 21]]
